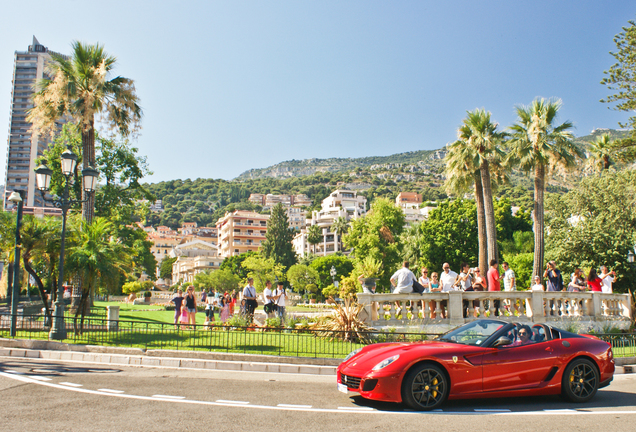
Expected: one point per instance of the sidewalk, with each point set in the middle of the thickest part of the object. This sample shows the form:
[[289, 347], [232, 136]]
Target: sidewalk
[[166, 358]]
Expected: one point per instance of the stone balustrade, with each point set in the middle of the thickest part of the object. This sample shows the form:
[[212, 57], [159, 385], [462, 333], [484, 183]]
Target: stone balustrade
[[519, 306]]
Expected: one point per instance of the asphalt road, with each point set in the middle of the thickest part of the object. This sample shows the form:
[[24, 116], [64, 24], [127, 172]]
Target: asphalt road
[[44, 395]]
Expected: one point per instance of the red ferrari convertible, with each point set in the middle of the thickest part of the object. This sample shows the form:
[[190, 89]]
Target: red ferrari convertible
[[484, 358]]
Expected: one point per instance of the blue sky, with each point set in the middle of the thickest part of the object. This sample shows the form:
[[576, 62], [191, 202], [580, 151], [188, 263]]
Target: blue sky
[[229, 86]]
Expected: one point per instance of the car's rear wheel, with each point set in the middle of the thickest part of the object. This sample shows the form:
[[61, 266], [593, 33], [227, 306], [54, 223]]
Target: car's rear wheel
[[580, 381], [425, 387]]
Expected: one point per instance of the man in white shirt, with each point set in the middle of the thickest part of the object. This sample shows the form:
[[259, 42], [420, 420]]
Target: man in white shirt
[[608, 278], [510, 284], [403, 279], [448, 278], [249, 294], [281, 295], [268, 300]]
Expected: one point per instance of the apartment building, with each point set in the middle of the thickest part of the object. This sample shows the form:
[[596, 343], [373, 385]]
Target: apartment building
[[410, 203], [24, 147], [241, 231], [342, 203], [193, 258]]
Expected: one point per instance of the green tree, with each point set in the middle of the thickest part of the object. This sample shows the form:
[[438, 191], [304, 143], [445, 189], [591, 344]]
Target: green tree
[[220, 280], [595, 224], [301, 277], [377, 235], [602, 151], [448, 235], [278, 238], [621, 76], [541, 146], [262, 270], [165, 268], [235, 264], [80, 89], [322, 265]]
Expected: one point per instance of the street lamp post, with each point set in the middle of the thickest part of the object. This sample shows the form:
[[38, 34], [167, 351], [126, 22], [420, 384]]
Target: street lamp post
[[16, 198], [333, 274], [43, 177]]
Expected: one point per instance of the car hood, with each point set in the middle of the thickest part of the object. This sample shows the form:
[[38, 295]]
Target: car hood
[[374, 354]]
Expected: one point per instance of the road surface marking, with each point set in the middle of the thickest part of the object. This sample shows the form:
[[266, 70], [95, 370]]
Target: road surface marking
[[13, 371], [110, 391], [491, 410], [70, 384], [232, 402], [168, 397], [39, 378], [293, 406], [356, 408], [559, 410], [342, 410]]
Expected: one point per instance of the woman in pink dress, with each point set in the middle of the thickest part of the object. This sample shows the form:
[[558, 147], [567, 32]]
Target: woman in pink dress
[[225, 308]]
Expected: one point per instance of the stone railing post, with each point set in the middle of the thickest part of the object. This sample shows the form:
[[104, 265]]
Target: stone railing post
[[365, 314], [597, 305], [113, 318], [455, 306], [537, 307], [626, 305]]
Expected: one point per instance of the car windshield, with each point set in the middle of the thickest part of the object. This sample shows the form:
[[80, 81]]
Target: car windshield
[[474, 333]]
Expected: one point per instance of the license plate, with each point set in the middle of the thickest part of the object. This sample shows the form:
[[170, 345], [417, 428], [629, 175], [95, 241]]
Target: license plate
[[343, 388]]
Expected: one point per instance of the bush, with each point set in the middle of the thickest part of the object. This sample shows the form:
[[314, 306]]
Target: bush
[[273, 322], [330, 291], [147, 294], [237, 321]]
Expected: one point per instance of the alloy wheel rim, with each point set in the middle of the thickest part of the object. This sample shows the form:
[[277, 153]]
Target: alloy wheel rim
[[582, 380], [428, 387]]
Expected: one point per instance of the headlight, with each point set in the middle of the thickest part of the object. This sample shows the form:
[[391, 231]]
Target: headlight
[[384, 363], [351, 354]]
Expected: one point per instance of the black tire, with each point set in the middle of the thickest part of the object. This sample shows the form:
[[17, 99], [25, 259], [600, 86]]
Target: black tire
[[580, 381], [425, 387]]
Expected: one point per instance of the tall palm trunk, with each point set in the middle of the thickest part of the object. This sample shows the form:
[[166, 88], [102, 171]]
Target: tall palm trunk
[[481, 226], [88, 159], [539, 228], [489, 211]]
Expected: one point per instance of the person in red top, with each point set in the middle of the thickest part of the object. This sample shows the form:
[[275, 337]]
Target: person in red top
[[493, 282], [594, 282]]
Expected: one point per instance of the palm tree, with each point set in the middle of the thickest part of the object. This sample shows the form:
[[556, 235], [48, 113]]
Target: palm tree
[[80, 89], [98, 258], [480, 135], [340, 227], [539, 145], [601, 151], [314, 235]]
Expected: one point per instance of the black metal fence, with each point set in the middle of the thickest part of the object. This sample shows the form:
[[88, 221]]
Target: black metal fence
[[296, 342]]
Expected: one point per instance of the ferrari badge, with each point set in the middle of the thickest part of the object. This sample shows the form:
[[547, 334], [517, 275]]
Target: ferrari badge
[[455, 359]]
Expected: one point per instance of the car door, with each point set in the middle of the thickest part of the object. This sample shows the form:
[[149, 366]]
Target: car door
[[517, 367]]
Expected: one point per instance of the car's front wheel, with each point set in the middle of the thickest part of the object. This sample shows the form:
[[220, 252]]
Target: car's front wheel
[[580, 381], [425, 387]]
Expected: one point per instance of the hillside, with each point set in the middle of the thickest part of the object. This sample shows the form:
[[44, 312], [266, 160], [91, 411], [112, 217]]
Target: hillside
[[206, 200]]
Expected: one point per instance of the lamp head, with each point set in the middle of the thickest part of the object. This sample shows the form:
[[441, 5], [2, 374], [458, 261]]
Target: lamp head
[[43, 177], [15, 198], [69, 160], [90, 175], [630, 256]]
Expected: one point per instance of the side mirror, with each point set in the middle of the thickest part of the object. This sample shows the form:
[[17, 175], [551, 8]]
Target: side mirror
[[502, 341]]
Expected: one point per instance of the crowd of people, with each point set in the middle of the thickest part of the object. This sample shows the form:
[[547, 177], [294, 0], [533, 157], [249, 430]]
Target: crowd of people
[[224, 304], [470, 279]]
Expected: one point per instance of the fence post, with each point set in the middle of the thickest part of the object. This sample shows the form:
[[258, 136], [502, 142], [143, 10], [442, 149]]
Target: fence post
[[455, 308], [537, 307], [113, 318]]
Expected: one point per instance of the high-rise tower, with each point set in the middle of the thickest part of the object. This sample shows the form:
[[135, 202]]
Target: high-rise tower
[[23, 147]]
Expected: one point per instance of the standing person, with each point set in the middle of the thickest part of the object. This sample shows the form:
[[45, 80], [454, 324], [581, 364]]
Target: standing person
[[224, 314], [426, 284], [435, 287], [608, 277], [281, 295], [204, 295], [577, 283], [209, 306], [178, 301], [269, 300], [493, 282], [510, 284], [233, 302], [191, 305], [478, 285], [465, 282], [447, 281], [403, 280], [554, 283], [249, 295], [537, 285], [594, 282]]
